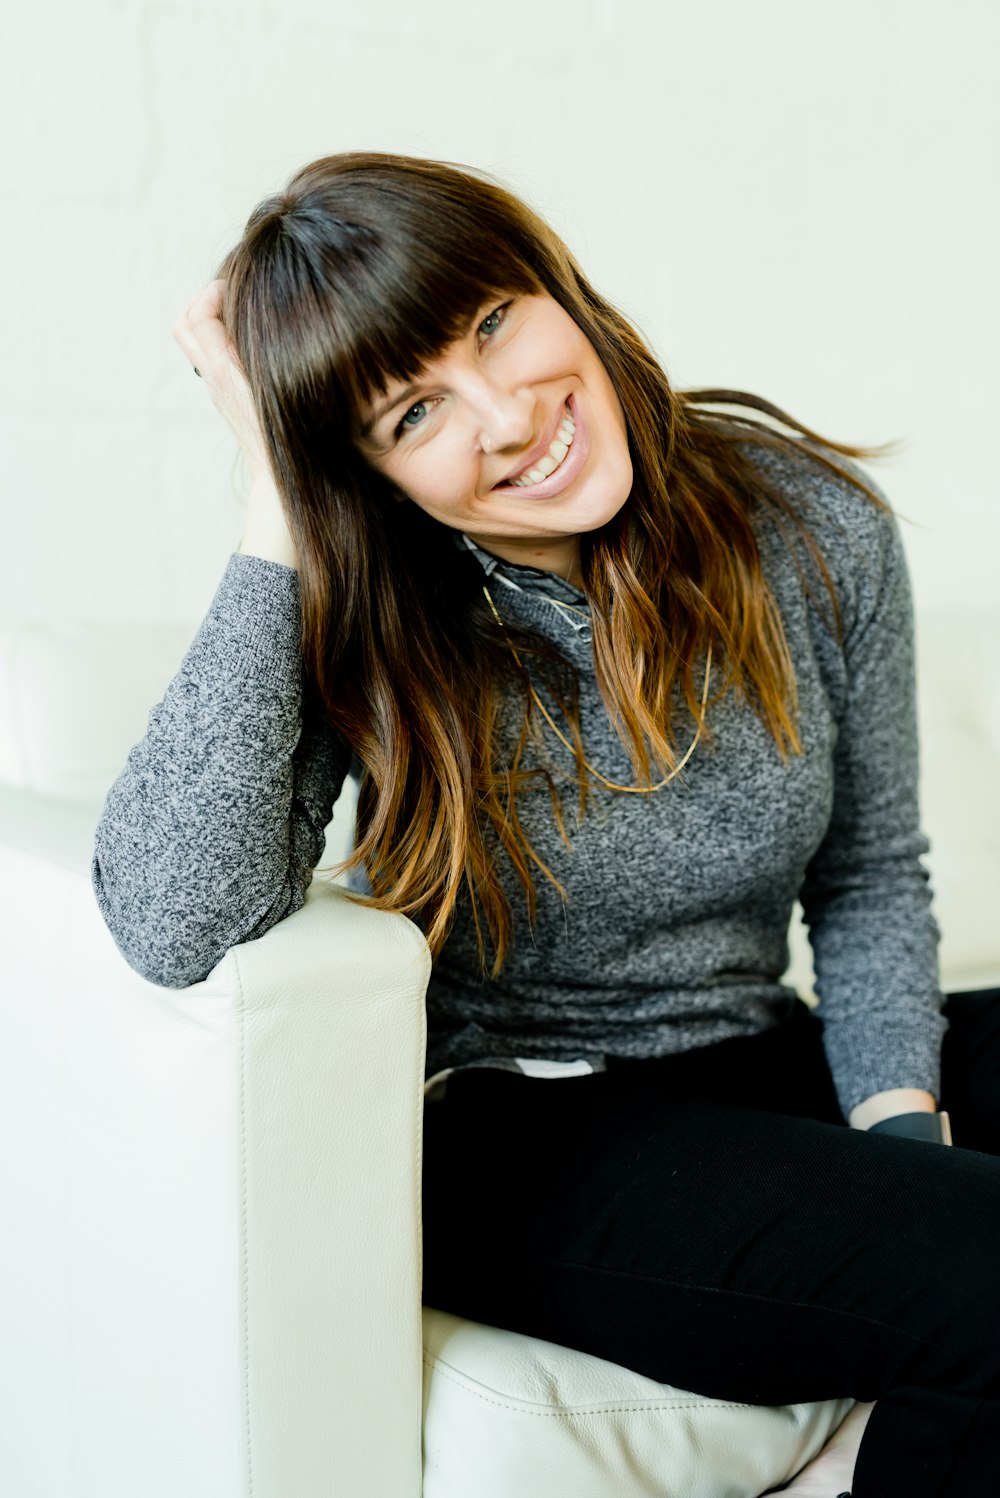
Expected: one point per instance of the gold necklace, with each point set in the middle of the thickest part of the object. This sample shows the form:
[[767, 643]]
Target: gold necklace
[[635, 790], [557, 603]]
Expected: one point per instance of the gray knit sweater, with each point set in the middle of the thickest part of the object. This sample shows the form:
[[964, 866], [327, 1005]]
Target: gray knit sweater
[[674, 931]]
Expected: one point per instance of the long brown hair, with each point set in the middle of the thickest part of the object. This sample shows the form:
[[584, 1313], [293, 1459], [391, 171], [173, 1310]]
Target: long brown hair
[[361, 272]]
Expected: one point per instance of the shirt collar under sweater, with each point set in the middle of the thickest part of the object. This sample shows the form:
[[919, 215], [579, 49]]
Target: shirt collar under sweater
[[530, 578]]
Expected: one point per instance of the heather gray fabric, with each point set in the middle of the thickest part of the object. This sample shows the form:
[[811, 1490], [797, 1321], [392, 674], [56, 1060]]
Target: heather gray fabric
[[674, 933]]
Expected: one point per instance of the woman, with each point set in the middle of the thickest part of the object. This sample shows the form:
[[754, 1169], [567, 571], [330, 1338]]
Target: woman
[[621, 676]]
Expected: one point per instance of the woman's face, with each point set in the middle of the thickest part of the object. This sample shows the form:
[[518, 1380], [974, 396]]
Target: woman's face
[[486, 413]]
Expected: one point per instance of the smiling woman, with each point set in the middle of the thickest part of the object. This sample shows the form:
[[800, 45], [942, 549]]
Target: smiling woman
[[515, 569], [413, 336]]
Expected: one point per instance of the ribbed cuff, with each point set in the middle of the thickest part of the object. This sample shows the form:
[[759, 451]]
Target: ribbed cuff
[[867, 1057]]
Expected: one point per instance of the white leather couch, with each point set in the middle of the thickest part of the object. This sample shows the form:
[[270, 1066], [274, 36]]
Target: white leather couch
[[210, 1245]]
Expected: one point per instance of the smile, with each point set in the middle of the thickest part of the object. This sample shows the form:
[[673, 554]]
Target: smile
[[560, 446], [556, 470]]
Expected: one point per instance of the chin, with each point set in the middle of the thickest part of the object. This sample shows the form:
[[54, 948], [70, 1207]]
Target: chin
[[604, 510]]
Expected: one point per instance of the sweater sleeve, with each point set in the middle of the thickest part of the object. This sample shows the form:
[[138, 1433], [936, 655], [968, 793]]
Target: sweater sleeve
[[209, 835], [866, 896]]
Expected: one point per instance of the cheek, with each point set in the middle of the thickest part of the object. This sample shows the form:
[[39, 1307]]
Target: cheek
[[440, 478]]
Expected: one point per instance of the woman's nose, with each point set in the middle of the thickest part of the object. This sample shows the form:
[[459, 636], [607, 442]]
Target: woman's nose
[[506, 420]]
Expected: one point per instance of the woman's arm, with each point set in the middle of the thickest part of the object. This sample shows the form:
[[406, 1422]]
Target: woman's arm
[[266, 532], [209, 835], [866, 896]]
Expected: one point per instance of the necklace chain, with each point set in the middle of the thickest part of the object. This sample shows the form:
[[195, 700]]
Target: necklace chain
[[635, 790], [558, 603]]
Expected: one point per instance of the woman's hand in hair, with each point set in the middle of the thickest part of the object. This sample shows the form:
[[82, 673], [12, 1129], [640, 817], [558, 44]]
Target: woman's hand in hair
[[203, 338]]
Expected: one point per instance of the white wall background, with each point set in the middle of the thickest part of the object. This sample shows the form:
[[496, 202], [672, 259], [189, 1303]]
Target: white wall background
[[795, 197]]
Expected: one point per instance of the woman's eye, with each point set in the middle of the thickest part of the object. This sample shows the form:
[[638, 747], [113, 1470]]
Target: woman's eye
[[498, 314], [406, 425], [488, 327]]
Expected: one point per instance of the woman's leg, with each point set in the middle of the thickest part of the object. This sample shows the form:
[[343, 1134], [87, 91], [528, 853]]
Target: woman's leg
[[970, 1069], [734, 1251]]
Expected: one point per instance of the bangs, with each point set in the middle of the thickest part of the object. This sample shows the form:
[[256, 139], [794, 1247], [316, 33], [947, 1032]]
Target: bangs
[[401, 308], [365, 277]]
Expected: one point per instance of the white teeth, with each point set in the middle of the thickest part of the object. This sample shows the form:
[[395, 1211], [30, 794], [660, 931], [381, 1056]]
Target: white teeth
[[560, 446], [545, 467]]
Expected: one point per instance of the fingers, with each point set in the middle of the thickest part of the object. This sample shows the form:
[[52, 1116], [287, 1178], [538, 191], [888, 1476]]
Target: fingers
[[201, 335], [206, 345]]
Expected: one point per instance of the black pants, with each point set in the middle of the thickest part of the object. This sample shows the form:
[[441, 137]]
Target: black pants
[[709, 1220]]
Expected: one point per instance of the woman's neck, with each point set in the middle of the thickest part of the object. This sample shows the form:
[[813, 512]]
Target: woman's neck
[[559, 555]]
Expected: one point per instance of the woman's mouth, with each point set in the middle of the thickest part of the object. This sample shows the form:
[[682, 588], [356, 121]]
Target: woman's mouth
[[566, 455], [560, 446]]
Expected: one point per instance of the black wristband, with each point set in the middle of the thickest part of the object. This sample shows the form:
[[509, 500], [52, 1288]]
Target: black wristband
[[935, 1127]]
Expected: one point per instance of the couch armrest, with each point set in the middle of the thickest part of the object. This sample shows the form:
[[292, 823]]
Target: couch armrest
[[210, 1267]]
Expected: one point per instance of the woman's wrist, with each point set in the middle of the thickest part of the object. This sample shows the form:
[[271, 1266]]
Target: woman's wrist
[[883, 1105], [266, 532]]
